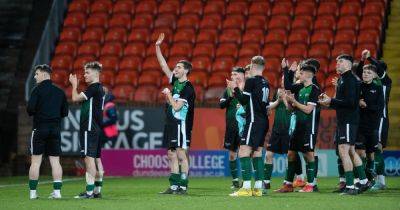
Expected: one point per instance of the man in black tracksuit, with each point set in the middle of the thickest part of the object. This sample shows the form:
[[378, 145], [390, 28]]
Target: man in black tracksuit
[[371, 106], [383, 80], [48, 105], [347, 111]]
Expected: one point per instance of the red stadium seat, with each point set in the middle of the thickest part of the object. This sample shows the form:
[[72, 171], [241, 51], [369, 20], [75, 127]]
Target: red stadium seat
[[130, 63], [296, 51], [260, 8], [75, 20], [70, 35], [319, 51], [223, 64], [139, 35], [231, 36], [207, 36], [279, 22], [151, 51], [107, 78], [165, 21], [101, 6], [243, 62], [113, 48], [135, 49], [371, 22], [282, 8], [169, 7], [62, 63], [81, 61], [89, 48], [217, 80], [253, 36], [211, 22], [237, 8], [110, 63], [249, 50], [120, 21], [299, 36], [276, 36], [256, 22], [204, 49], [198, 78], [97, 20], [342, 49], [234, 22], [123, 93], [202, 63], [323, 37], [190, 21], [126, 78], [304, 8], [348, 22], [151, 64], [185, 36], [351, 8], [274, 50], [66, 48], [146, 79], [320, 76], [78, 6], [127, 7], [229, 50], [93, 35], [60, 78], [116, 35], [271, 78], [302, 22], [147, 7], [146, 94], [181, 50], [144, 21], [192, 7], [368, 37], [215, 7], [374, 9], [328, 8], [325, 23], [371, 47], [345, 37]]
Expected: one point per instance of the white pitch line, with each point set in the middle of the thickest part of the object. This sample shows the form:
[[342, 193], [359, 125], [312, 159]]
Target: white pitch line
[[41, 182]]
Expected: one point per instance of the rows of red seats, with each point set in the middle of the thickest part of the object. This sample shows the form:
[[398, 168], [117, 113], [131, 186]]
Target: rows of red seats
[[214, 35]]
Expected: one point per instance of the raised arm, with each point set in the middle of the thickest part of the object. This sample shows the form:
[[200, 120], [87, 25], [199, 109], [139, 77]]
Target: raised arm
[[160, 57]]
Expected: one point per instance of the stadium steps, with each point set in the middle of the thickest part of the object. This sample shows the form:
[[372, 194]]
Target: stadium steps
[[391, 56]]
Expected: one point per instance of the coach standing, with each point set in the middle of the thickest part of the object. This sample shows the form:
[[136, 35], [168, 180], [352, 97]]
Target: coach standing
[[48, 105], [347, 112]]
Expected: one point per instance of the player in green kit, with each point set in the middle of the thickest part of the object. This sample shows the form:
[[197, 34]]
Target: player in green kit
[[232, 138], [303, 139], [179, 121]]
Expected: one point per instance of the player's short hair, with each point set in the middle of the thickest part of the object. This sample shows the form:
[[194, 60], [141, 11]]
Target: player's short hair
[[370, 67], [186, 65], [238, 69], [94, 65], [345, 57], [307, 67], [314, 62], [43, 68], [258, 60], [247, 68]]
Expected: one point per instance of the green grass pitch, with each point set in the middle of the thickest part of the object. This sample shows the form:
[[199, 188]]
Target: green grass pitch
[[204, 193]]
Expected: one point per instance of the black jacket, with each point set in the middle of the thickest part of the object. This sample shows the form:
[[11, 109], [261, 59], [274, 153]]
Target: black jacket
[[373, 97], [47, 104], [347, 99]]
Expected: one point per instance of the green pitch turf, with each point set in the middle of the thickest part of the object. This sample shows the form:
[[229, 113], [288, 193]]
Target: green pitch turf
[[204, 193]]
